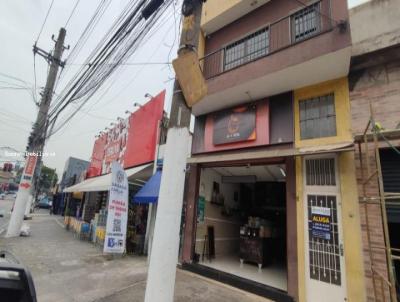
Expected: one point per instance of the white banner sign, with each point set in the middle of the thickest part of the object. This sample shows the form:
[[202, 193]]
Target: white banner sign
[[117, 211]]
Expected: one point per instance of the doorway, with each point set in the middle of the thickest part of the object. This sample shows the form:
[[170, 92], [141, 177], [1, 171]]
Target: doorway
[[324, 255], [241, 223]]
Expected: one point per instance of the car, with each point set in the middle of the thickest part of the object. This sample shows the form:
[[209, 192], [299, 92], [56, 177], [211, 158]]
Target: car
[[45, 203], [2, 196]]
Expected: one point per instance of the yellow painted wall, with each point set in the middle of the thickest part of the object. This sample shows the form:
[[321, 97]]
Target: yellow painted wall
[[356, 288], [300, 230], [354, 265], [214, 8], [340, 88]]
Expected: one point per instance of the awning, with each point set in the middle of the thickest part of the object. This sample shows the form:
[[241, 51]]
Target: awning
[[149, 192], [250, 155], [101, 183]]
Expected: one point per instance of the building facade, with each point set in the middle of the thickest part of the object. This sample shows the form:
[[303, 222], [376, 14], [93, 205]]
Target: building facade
[[374, 83], [271, 204], [72, 171]]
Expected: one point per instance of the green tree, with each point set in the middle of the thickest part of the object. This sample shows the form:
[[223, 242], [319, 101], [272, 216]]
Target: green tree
[[48, 178]]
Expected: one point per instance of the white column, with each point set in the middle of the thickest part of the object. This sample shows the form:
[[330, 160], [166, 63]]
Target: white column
[[165, 247], [24, 191], [28, 205]]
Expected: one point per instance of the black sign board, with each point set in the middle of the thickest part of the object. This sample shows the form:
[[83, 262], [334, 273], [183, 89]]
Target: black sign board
[[235, 125]]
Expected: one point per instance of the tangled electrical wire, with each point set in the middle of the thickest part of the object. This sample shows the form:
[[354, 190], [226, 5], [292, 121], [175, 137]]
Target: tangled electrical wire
[[124, 37]]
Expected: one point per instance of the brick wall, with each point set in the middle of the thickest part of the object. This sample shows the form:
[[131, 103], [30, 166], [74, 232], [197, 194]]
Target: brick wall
[[379, 85]]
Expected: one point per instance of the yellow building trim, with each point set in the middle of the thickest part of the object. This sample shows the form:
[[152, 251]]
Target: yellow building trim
[[351, 225], [300, 230], [215, 8], [340, 88]]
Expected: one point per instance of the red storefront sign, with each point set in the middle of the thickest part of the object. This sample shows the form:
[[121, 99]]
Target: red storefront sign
[[235, 125], [96, 162], [240, 127], [143, 130], [132, 142]]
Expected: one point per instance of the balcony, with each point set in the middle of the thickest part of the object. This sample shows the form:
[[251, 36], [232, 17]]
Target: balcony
[[300, 49]]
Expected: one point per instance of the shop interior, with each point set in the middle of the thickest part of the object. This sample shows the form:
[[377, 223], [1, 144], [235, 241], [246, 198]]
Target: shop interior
[[241, 222]]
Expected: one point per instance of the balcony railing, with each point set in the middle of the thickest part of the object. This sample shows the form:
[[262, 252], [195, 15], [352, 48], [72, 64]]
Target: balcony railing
[[304, 24]]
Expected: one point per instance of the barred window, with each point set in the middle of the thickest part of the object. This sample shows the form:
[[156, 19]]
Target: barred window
[[247, 49], [306, 22], [318, 117]]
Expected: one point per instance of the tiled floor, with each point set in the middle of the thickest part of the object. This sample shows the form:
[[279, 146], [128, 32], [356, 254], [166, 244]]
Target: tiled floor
[[273, 275]]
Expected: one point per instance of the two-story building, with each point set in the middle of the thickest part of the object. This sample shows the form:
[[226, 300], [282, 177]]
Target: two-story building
[[271, 204]]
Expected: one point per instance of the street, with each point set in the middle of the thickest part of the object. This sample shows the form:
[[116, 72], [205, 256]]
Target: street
[[67, 269], [5, 208]]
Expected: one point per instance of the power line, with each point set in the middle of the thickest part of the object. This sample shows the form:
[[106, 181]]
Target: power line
[[70, 16], [13, 77], [138, 72], [45, 19], [124, 41]]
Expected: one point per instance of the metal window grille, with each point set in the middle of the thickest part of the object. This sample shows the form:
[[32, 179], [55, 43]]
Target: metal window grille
[[317, 117], [320, 172], [324, 247], [306, 22], [247, 49]]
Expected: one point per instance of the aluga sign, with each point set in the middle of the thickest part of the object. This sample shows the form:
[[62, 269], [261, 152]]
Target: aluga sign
[[117, 216]]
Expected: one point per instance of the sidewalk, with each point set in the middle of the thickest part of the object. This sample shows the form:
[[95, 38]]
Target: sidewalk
[[66, 269]]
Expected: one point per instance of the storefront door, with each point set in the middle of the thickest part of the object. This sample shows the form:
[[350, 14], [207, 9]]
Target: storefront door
[[324, 257]]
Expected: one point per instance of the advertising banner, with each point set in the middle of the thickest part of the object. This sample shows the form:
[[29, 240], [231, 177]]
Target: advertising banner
[[96, 162], [242, 127], [321, 222], [117, 216], [131, 142], [235, 125], [30, 165], [143, 129]]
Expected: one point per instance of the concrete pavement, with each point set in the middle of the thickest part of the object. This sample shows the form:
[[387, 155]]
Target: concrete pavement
[[66, 269]]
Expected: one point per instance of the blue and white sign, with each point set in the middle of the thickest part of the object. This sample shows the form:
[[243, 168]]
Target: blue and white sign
[[321, 222], [117, 216]]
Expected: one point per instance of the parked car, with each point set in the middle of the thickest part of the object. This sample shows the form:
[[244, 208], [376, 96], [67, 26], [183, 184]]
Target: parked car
[[45, 203], [16, 283], [12, 194]]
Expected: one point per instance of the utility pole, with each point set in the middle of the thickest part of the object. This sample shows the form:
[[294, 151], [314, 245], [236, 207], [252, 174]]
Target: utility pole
[[38, 136], [165, 246]]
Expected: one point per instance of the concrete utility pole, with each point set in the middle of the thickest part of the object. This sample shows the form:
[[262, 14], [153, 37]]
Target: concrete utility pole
[[36, 145], [165, 246]]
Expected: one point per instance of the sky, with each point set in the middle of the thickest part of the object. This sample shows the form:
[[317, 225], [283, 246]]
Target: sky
[[20, 23]]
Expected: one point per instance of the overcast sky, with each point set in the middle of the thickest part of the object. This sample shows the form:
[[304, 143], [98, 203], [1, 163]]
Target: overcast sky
[[20, 22]]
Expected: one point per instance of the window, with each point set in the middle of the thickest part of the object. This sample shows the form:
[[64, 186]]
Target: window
[[317, 117], [247, 49], [306, 22], [320, 172]]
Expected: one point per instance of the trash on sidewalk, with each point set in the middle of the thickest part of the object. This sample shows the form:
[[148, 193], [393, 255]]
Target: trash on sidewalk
[[25, 230]]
